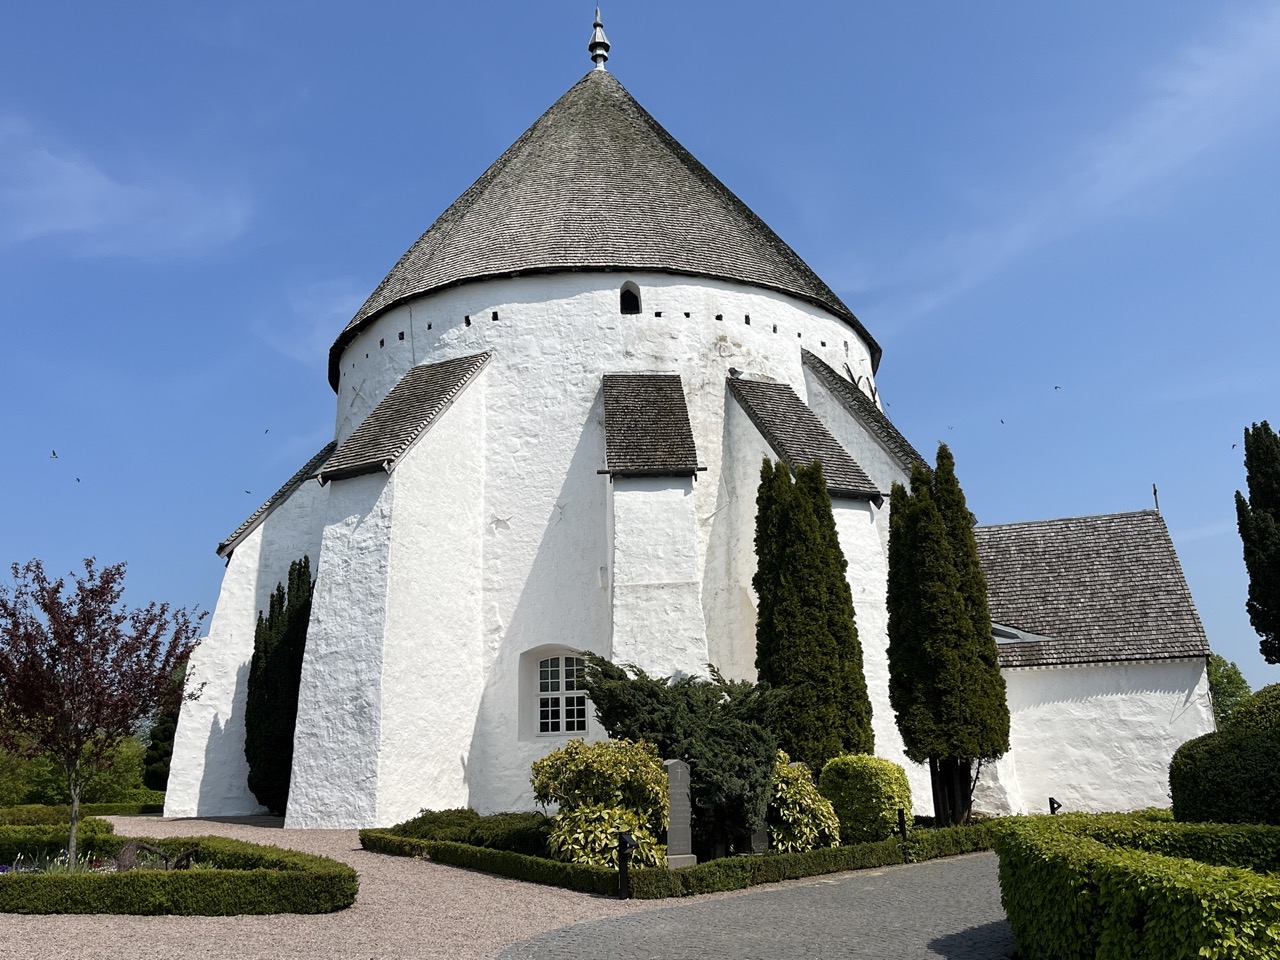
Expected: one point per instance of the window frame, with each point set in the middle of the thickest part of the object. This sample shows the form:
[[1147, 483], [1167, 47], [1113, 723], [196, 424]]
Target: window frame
[[559, 702]]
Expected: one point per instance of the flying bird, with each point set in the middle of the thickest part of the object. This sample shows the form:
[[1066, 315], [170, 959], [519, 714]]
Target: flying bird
[[246, 491], [1056, 387], [77, 479], [53, 455]]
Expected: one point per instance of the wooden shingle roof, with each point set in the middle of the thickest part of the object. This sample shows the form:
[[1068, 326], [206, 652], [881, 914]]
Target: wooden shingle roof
[[402, 416], [1102, 589], [799, 438], [646, 425], [865, 410], [597, 184], [310, 471]]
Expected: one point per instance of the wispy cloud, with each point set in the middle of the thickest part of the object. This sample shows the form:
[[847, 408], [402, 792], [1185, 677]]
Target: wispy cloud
[[52, 192], [1206, 531], [1206, 96], [311, 319]]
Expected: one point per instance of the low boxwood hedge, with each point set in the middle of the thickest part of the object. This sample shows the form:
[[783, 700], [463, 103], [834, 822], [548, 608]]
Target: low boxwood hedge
[[1079, 887], [729, 873], [516, 832], [504, 863], [232, 877]]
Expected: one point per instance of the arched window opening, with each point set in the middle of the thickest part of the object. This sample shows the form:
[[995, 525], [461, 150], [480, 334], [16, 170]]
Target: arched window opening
[[629, 298]]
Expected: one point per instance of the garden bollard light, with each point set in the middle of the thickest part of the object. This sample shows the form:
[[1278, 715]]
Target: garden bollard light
[[626, 843], [902, 830]]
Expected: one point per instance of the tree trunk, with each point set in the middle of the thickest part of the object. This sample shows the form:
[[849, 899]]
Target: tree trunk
[[74, 787], [951, 779], [940, 815]]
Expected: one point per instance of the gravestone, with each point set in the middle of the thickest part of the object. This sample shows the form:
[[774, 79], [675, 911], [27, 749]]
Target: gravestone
[[679, 836]]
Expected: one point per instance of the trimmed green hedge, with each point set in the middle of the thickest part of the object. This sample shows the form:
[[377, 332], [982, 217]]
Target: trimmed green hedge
[[867, 793], [573, 876], [517, 832], [33, 813], [232, 878], [729, 873], [1071, 892]]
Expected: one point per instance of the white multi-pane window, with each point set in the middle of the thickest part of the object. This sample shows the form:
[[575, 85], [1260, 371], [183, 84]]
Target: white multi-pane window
[[562, 707]]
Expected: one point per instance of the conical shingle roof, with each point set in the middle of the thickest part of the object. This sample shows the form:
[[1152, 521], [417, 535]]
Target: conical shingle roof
[[597, 184]]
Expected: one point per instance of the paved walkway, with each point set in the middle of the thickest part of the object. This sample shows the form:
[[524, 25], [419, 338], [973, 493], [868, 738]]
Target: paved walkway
[[943, 908]]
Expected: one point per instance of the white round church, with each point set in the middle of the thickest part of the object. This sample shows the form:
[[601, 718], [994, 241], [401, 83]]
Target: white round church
[[551, 416]]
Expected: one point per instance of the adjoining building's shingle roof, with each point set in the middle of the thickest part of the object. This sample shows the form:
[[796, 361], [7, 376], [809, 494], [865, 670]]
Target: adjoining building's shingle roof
[[646, 425], [402, 416], [865, 410], [797, 436], [597, 184], [310, 470], [1103, 589]]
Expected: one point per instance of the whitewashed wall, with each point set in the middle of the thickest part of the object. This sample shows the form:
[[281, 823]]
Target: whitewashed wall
[[208, 773], [431, 671], [657, 602], [728, 599], [335, 754], [1097, 737]]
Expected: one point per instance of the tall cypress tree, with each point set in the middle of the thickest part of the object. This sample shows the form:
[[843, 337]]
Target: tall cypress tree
[[854, 705], [1259, 521], [944, 677], [806, 639], [271, 704]]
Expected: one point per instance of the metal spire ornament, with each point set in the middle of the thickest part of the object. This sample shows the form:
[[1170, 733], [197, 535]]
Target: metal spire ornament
[[599, 45]]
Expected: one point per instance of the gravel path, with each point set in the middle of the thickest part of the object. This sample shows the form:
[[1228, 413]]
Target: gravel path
[[406, 908], [412, 908]]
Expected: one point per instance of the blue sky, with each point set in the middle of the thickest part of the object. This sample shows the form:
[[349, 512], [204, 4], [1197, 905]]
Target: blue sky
[[1061, 225]]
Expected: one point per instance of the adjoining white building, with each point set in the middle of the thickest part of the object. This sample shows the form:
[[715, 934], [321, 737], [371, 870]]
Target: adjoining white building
[[1103, 657], [549, 427]]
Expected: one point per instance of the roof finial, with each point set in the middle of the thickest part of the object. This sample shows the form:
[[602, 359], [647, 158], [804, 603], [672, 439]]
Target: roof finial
[[599, 45]]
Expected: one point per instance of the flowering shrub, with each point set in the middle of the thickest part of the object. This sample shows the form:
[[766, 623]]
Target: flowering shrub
[[588, 834], [604, 789], [612, 773], [800, 818]]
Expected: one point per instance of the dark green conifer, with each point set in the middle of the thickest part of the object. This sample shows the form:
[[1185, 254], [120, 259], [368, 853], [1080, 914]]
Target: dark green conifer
[[1259, 521], [980, 722], [944, 678], [721, 728], [155, 772], [806, 639], [159, 739], [271, 705], [854, 705]]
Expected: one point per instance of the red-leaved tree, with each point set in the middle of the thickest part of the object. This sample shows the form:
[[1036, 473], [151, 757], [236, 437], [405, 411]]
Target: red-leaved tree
[[79, 671]]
